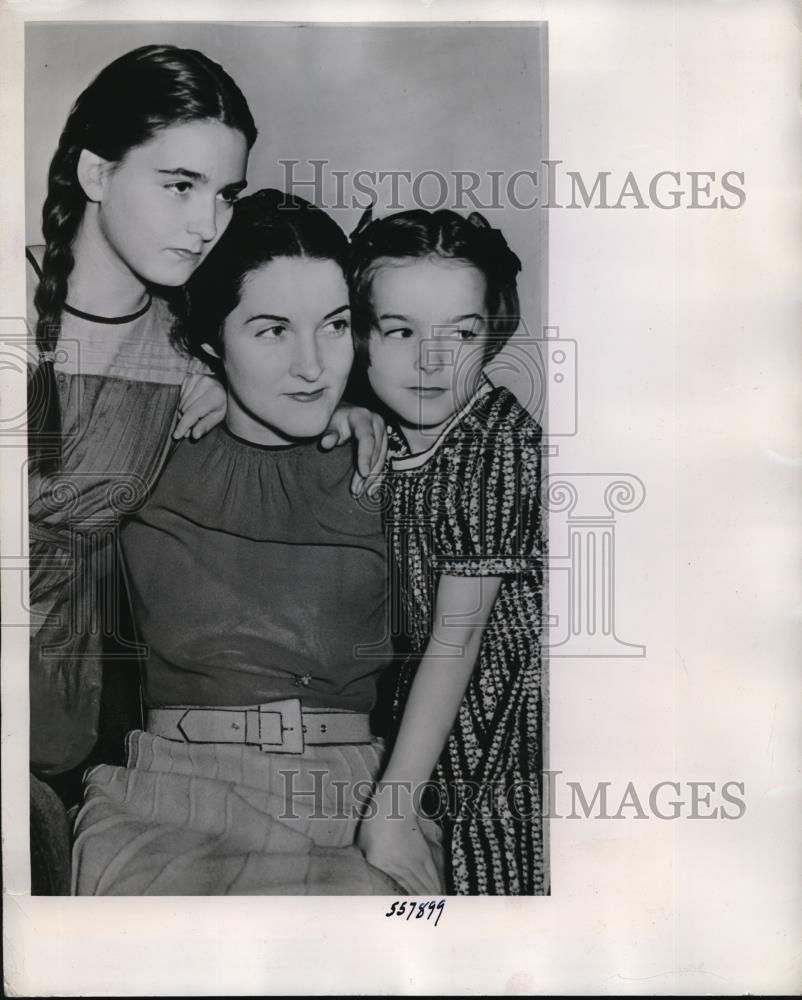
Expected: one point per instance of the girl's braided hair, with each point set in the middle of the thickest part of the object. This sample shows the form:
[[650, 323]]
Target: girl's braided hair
[[133, 98]]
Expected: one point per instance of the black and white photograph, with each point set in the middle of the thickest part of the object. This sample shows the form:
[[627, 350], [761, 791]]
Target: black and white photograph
[[278, 504], [383, 434]]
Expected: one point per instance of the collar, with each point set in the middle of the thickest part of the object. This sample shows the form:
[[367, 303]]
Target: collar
[[408, 462]]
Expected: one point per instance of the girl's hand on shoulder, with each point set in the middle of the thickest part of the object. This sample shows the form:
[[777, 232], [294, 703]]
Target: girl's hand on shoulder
[[371, 438], [201, 407], [392, 841]]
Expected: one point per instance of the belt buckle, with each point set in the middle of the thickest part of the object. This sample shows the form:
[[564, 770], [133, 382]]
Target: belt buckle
[[281, 727]]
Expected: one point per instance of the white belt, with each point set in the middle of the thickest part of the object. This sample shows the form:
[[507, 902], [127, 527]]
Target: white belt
[[275, 727]]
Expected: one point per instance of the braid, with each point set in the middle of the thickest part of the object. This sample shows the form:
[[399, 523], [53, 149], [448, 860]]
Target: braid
[[61, 216], [133, 98]]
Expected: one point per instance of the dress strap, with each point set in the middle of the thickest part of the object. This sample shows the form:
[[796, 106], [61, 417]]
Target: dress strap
[[34, 263]]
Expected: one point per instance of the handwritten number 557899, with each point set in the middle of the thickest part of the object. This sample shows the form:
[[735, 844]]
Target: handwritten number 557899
[[420, 911]]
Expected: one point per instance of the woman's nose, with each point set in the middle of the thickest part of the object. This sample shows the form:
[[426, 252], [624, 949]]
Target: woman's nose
[[306, 362]]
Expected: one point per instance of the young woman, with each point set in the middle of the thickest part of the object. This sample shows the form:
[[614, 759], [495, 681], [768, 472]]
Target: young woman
[[435, 298], [141, 187], [259, 587]]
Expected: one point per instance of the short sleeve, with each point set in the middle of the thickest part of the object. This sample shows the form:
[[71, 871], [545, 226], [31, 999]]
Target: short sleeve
[[493, 525]]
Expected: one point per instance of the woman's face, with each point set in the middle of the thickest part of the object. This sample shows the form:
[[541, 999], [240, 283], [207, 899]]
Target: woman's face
[[287, 350], [162, 208]]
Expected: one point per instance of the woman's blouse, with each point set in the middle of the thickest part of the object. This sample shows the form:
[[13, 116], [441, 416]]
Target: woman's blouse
[[255, 575]]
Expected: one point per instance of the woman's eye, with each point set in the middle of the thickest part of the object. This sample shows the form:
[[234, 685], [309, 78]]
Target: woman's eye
[[179, 187], [399, 333], [468, 334], [339, 326], [229, 197], [271, 332]]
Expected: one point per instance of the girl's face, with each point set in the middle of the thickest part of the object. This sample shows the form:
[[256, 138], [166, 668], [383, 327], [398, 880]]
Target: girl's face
[[427, 349], [287, 350], [166, 203]]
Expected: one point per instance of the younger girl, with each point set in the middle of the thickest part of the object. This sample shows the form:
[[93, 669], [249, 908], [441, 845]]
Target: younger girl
[[434, 298]]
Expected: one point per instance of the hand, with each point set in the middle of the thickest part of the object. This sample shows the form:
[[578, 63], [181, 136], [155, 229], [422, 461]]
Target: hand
[[371, 437], [392, 841], [202, 406]]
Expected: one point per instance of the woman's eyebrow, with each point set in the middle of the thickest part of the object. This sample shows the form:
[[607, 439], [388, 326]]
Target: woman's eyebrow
[[270, 316], [404, 319], [335, 311], [191, 175]]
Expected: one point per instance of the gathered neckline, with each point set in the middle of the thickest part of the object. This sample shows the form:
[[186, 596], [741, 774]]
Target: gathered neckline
[[271, 449]]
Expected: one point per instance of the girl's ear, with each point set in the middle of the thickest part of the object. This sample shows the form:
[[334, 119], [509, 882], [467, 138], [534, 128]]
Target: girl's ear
[[92, 170], [210, 351]]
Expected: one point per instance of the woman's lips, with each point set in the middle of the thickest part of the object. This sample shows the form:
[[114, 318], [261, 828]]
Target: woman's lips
[[306, 397]]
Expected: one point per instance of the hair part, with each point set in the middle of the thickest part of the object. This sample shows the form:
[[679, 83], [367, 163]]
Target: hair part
[[439, 235], [264, 226], [135, 97]]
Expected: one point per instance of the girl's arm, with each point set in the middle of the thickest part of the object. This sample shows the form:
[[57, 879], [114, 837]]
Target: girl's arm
[[370, 432], [391, 839], [201, 407]]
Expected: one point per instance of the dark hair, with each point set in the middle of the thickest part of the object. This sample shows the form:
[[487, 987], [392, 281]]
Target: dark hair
[[134, 97], [444, 234], [265, 226]]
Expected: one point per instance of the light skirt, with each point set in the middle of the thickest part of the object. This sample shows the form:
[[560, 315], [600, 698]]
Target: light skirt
[[225, 819]]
